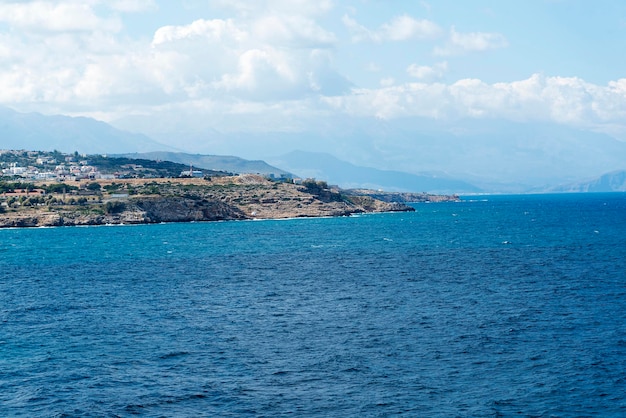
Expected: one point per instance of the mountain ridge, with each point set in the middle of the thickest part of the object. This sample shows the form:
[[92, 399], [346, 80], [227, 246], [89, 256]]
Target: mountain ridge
[[326, 167], [228, 163], [614, 181], [68, 134], [475, 156]]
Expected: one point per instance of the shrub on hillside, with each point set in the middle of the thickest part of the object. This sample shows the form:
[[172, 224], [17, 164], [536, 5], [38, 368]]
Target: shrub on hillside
[[114, 207]]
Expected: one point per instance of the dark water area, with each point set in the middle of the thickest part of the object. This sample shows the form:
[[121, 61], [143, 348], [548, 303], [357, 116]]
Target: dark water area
[[493, 306]]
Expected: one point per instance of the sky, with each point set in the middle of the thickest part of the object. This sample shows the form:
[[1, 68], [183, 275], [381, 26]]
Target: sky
[[263, 66]]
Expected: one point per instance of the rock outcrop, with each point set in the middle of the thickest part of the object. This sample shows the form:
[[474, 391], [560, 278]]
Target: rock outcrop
[[402, 197], [172, 200], [170, 209]]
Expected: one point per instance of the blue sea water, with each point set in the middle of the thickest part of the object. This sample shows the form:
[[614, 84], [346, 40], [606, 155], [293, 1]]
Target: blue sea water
[[493, 306]]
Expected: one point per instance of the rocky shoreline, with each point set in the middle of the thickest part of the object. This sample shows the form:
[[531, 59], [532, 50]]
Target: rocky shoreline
[[196, 200]]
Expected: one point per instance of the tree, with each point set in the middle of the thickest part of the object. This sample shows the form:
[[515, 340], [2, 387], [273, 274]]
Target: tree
[[112, 187], [113, 207], [94, 187], [6, 187], [314, 187], [60, 188]]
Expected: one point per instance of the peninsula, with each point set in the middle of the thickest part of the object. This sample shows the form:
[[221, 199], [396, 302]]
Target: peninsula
[[134, 201], [153, 192]]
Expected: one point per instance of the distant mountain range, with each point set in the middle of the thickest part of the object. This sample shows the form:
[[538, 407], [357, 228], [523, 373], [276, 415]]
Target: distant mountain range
[[35, 131], [346, 175], [226, 163], [493, 154], [610, 182], [319, 166], [464, 157]]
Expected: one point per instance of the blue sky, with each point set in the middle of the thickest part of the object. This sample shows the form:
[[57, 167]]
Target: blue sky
[[186, 68], [554, 37]]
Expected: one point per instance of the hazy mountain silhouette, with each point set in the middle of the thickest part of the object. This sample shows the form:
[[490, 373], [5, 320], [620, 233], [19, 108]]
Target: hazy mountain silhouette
[[610, 182], [324, 166], [34, 131], [226, 163]]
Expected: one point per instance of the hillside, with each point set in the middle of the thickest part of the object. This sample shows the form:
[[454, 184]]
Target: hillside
[[226, 163], [136, 201], [55, 165]]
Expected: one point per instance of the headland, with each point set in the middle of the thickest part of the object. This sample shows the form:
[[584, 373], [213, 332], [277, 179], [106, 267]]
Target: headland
[[156, 200]]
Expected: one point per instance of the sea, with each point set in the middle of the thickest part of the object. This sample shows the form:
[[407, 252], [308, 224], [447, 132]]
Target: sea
[[494, 306]]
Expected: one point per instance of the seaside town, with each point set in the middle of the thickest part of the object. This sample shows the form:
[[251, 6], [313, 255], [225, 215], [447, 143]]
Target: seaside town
[[62, 167]]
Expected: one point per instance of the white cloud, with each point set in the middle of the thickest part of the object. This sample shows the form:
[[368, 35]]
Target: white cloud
[[249, 60], [132, 6], [570, 101], [404, 28], [401, 28], [295, 31], [460, 43], [251, 8], [258, 69], [56, 16], [71, 56], [215, 30], [426, 73]]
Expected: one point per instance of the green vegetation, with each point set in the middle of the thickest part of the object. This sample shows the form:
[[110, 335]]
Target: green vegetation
[[112, 188], [6, 188], [321, 190], [28, 164], [59, 188], [12, 187], [94, 187], [114, 207], [143, 167], [313, 186]]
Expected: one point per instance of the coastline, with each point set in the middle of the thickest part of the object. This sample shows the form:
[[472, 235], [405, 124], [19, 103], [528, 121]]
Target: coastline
[[244, 197]]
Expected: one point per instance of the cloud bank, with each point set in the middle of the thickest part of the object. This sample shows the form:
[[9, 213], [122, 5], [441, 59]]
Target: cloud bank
[[565, 100], [274, 58]]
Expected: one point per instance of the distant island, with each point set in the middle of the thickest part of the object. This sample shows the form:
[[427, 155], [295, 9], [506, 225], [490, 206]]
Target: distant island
[[55, 189]]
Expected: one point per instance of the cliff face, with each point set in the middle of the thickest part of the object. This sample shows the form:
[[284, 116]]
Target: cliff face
[[172, 209], [243, 197], [402, 197]]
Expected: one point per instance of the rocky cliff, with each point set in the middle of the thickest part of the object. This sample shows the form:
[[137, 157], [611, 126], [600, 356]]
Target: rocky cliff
[[402, 197], [186, 200]]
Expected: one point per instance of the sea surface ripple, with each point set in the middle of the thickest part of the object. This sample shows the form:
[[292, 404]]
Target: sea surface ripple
[[499, 306]]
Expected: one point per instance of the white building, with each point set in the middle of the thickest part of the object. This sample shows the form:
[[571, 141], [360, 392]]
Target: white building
[[46, 176]]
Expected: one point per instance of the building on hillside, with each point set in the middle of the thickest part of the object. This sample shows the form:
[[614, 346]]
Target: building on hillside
[[15, 170], [105, 176], [191, 173], [49, 175], [46, 160]]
